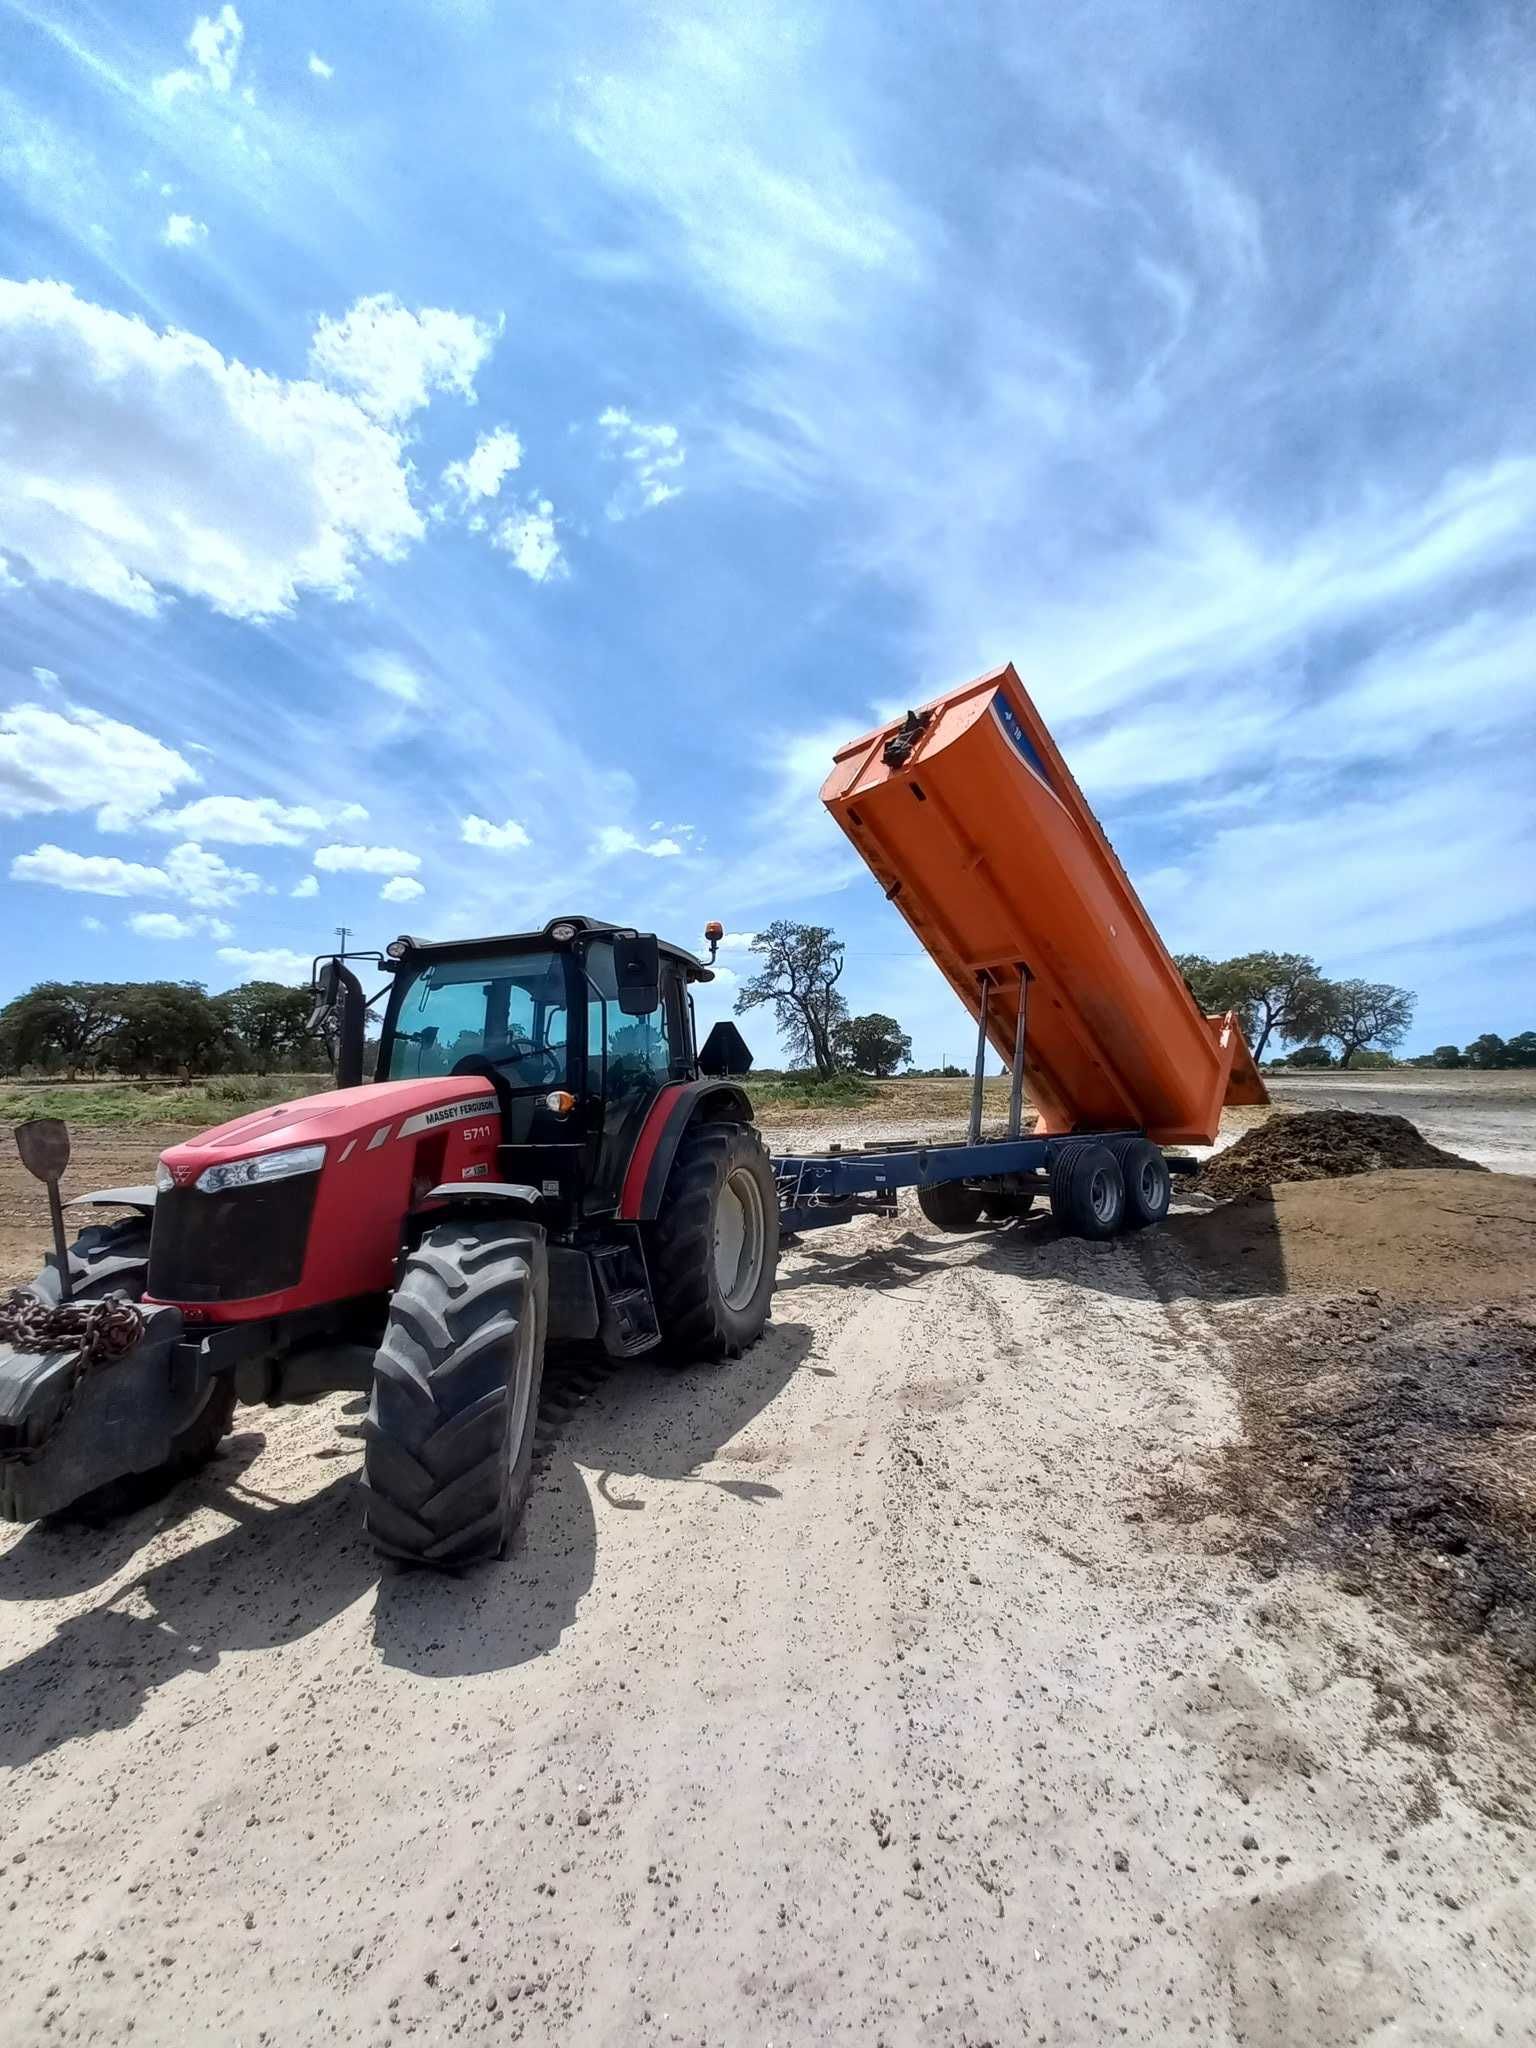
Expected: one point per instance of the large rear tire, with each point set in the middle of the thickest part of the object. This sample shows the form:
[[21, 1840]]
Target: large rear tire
[[448, 1439], [714, 1249], [1088, 1191], [113, 1258]]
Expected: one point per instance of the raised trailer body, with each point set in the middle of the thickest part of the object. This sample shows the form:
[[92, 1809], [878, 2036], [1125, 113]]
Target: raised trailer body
[[971, 822]]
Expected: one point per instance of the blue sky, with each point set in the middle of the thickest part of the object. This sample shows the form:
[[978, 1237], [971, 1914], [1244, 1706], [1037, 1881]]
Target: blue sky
[[459, 465]]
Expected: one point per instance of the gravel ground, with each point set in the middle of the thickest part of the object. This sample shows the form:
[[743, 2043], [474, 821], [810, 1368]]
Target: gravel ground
[[863, 1690]]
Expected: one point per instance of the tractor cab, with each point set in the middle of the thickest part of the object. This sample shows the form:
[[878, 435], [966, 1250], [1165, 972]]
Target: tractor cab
[[577, 1027]]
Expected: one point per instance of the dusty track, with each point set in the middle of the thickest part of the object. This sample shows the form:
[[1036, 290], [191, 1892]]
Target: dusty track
[[855, 1692]]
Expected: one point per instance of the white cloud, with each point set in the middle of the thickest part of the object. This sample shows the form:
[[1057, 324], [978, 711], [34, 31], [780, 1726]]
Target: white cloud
[[393, 359], [133, 461], [165, 924], [92, 924], [391, 673], [318, 68], [352, 814], [207, 879], [532, 543], [276, 963], [91, 874], [738, 942], [74, 760], [181, 231], [310, 886], [613, 840], [481, 473], [214, 45], [476, 831], [654, 454], [46, 678], [202, 878], [366, 860], [240, 821], [403, 889]]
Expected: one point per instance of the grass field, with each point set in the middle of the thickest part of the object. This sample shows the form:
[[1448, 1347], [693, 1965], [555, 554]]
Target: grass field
[[101, 1104]]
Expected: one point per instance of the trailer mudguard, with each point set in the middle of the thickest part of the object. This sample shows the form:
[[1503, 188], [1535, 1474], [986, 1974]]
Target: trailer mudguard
[[655, 1148]]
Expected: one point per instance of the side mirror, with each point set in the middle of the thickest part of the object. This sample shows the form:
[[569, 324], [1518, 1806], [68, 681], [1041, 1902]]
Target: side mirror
[[44, 1148], [724, 1052], [637, 969]]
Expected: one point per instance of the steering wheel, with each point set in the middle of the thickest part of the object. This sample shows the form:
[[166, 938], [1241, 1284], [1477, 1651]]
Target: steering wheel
[[515, 1053]]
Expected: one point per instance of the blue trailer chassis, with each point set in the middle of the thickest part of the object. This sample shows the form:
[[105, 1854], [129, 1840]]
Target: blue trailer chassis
[[821, 1188]]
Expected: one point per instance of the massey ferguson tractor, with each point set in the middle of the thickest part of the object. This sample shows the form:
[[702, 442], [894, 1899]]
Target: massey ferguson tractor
[[544, 1156]]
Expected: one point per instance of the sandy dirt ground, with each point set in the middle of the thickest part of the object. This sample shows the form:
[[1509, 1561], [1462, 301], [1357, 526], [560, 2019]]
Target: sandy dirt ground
[[864, 1690]]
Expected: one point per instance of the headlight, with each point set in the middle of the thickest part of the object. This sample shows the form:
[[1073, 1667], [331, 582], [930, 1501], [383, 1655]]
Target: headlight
[[165, 1180], [243, 1173]]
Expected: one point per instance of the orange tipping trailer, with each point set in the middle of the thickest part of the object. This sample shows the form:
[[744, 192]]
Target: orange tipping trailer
[[969, 819]]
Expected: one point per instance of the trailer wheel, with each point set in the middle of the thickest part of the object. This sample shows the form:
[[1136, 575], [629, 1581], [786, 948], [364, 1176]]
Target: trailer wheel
[[714, 1249], [1088, 1191], [1009, 1208], [113, 1258], [448, 1439], [951, 1205], [1148, 1184]]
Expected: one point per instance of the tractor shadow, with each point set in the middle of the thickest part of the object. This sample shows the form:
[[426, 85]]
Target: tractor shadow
[[275, 1571], [278, 1570], [645, 1422]]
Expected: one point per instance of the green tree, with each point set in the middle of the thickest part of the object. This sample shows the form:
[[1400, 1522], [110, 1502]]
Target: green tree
[[165, 1025], [1274, 994], [60, 1023], [1310, 1056], [1521, 1050], [1355, 1014], [1488, 1051], [268, 1021], [802, 965], [875, 1044], [1446, 1056]]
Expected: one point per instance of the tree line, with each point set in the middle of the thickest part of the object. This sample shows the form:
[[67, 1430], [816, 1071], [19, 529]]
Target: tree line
[[157, 1027], [1281, 999]]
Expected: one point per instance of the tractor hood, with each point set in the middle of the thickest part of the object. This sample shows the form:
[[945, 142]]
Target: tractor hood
[[379, 1112]]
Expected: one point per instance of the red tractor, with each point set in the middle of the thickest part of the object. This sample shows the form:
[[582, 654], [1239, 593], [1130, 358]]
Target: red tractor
[[545, 1156]]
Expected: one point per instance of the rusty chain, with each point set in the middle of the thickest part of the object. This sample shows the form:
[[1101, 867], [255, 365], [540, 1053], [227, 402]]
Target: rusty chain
[[99, 1330]]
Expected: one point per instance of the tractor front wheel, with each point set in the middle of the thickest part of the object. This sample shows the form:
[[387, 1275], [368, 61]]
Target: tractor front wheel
[[714, 1249], [448, 1440]]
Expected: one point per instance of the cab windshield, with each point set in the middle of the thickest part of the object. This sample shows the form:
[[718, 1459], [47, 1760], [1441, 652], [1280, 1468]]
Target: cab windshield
[[508, 1008]]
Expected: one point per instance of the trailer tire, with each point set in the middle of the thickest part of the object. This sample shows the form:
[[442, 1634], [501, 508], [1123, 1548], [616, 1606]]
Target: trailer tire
[[713, 1250], [448, 1438], [1088, 1191], [113, 1258], [951, 1205], [1148, 1184]]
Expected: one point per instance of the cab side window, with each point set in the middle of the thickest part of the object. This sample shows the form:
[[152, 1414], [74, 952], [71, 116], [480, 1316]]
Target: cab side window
[[640, 1051]]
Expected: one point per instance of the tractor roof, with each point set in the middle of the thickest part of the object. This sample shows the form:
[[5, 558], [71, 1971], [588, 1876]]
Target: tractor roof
[[587, 927]]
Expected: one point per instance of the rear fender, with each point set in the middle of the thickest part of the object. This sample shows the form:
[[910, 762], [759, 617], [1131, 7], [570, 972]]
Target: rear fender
[[655, 1148]]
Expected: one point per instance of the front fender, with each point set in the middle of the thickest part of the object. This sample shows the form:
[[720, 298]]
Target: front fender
[[675, 1107]]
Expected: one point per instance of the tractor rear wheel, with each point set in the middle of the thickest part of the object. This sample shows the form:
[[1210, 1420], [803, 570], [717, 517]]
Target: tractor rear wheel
[[113, 1258], [1088, 1191], [951, 1205], [714, 1249], [448, 1439]]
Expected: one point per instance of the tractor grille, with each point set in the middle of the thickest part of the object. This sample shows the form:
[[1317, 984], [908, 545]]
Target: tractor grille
[[230, 1246]]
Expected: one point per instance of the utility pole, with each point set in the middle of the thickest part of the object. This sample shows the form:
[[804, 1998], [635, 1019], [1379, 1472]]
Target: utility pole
[[343, 932]]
